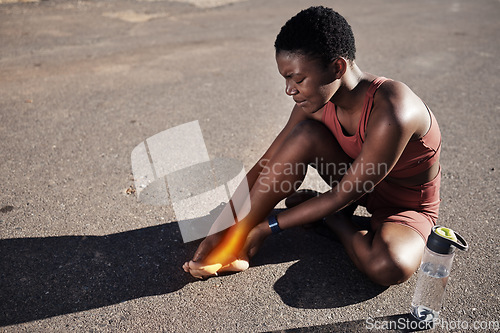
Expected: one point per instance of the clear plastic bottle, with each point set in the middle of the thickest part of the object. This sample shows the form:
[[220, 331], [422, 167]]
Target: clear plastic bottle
[[434, 272]]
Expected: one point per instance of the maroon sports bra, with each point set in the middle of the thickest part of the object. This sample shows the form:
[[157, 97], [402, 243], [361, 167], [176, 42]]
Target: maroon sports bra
[[418, 156]]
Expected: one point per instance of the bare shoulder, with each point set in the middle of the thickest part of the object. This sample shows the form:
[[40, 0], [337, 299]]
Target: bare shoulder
[[397, 96], [396, 99], [397, 103]]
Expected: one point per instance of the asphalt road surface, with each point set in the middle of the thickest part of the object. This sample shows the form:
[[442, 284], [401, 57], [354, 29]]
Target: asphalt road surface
[[82, 83]]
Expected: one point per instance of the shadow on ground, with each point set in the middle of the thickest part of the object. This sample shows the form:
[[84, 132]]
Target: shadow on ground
[[401, 323], [45, 277], [323, 277]]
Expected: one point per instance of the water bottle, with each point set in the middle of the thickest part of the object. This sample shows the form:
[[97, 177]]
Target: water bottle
[[434, 272]]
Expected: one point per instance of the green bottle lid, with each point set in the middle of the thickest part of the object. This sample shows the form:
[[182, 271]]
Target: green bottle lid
[[443, 240]]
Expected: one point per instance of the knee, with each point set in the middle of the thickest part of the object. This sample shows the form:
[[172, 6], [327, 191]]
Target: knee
[[389, 270], [309, 131]]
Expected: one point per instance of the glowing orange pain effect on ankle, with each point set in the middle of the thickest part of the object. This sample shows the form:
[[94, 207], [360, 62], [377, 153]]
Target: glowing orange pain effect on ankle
[[229, 249]]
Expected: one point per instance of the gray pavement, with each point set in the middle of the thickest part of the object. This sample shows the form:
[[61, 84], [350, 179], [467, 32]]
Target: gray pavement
[[83, 82]]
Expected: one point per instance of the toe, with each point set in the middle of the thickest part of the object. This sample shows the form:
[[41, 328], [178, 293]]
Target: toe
[[238, 265], [185, 267], [199, 270]]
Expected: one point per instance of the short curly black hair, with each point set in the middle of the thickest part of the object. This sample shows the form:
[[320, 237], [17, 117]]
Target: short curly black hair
[[318, 32]]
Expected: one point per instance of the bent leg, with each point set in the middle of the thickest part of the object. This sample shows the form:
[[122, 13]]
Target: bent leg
[[309, 143], [389, 255]]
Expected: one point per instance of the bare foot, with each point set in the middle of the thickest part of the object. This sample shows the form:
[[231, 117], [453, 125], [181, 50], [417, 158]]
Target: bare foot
[[201, 271], [205, 247], [236, 262]]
